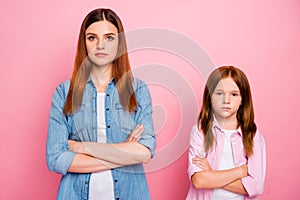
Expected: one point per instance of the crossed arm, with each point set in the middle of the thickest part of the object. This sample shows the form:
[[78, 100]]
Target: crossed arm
[[93, 157], [213, 179]]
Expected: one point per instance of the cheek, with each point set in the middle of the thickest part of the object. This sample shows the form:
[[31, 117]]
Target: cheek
[[113, 47], [214, 103], [90, 46], [238, 103]]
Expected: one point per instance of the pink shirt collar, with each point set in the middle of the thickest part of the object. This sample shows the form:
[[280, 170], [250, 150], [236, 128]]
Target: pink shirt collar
[[220, 129]]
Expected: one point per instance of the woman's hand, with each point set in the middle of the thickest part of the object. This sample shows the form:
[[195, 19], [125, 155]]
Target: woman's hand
[[136, 133], [201, 162], [79, 147], [75, 146]]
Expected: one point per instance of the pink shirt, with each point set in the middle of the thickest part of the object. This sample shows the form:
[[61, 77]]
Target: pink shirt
[[253, 183]]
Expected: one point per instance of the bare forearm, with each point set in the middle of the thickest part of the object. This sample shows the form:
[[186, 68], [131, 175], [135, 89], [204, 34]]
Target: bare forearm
[[87, 164], [236, 187], [213, 179], [126, 153]]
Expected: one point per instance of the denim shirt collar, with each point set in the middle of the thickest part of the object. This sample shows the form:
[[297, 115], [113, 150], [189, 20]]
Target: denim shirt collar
[[89, 80]]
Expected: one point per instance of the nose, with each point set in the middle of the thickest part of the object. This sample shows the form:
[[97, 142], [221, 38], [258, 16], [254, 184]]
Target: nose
[[226, 99], [101, 44]]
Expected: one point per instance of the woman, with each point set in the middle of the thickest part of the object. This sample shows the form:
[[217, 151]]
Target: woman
[[100, 126]]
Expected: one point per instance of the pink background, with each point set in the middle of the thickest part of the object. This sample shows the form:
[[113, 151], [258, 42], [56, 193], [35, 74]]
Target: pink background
[[37, 50]]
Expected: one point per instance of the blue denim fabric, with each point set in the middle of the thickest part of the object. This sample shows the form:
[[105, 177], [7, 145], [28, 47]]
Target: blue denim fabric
[[129, 181]]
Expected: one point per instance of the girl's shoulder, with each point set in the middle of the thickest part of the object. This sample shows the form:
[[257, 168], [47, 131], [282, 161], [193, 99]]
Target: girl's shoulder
[[196, 129], [196, 133], [259, 137]]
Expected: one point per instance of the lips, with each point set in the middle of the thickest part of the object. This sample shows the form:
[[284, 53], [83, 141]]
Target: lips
[[100, 54], [226, 108]]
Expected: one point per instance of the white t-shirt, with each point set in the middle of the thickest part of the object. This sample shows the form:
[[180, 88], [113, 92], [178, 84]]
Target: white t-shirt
[[101, 183], [227, 162]]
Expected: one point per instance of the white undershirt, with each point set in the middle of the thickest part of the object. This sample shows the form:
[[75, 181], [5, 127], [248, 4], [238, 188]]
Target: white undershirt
[[227, 162], [101, 183]]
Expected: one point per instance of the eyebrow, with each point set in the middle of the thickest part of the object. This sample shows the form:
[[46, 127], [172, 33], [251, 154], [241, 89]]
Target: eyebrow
[[106, 34], [221, 90]]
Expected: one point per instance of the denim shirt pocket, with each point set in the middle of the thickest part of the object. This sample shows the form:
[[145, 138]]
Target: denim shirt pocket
[[123, 118], [77, 126]]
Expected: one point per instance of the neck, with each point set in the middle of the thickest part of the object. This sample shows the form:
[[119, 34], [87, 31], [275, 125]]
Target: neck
[[229, 123], [101, 76]]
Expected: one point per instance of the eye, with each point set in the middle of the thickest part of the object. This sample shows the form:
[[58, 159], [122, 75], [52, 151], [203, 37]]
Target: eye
[[110, 38], [91, 38], [235, 94], [218, 93]]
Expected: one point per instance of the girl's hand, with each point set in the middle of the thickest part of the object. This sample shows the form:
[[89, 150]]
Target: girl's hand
[[201, 162], [136, 133], [244, 170], [75, 146]]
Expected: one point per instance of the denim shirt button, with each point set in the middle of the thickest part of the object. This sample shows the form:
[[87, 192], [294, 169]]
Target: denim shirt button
[[118, 198], [86, 182], [107, 95], [108, 126], [107, 109], [116, 181]]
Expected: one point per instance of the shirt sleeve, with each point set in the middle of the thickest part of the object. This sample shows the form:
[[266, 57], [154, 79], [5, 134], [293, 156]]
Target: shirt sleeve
[[195, 148], [254, 182], [144, 116], [58, 157]]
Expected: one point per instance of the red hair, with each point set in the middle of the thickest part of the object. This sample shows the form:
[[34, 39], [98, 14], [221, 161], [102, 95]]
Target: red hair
[[121, 70], [245, 113]]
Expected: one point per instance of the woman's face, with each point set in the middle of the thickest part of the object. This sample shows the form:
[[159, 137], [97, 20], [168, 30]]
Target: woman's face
[[226, 99], [102, 42]]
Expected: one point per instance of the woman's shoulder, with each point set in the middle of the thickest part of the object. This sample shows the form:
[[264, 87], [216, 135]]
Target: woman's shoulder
[[65, 84], [62, 88], [141, 90], [137, 83]]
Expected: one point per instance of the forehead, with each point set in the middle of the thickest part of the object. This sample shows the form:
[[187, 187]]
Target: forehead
[[102, 27], [227, 84]]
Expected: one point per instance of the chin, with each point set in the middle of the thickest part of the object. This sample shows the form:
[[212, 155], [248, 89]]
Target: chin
[[99, 62], [225, 116]]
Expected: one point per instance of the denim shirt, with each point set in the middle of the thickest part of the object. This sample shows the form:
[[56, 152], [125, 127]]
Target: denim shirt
[[129, 181]]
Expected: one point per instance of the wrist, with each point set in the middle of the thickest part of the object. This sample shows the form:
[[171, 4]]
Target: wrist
[[83, 148], [244, 170]]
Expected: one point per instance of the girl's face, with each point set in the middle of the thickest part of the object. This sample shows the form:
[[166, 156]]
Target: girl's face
[[226, 99], [102, 42]]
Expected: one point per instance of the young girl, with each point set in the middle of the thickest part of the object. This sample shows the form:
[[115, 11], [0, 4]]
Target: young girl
[[227, 154], [100, 126]]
